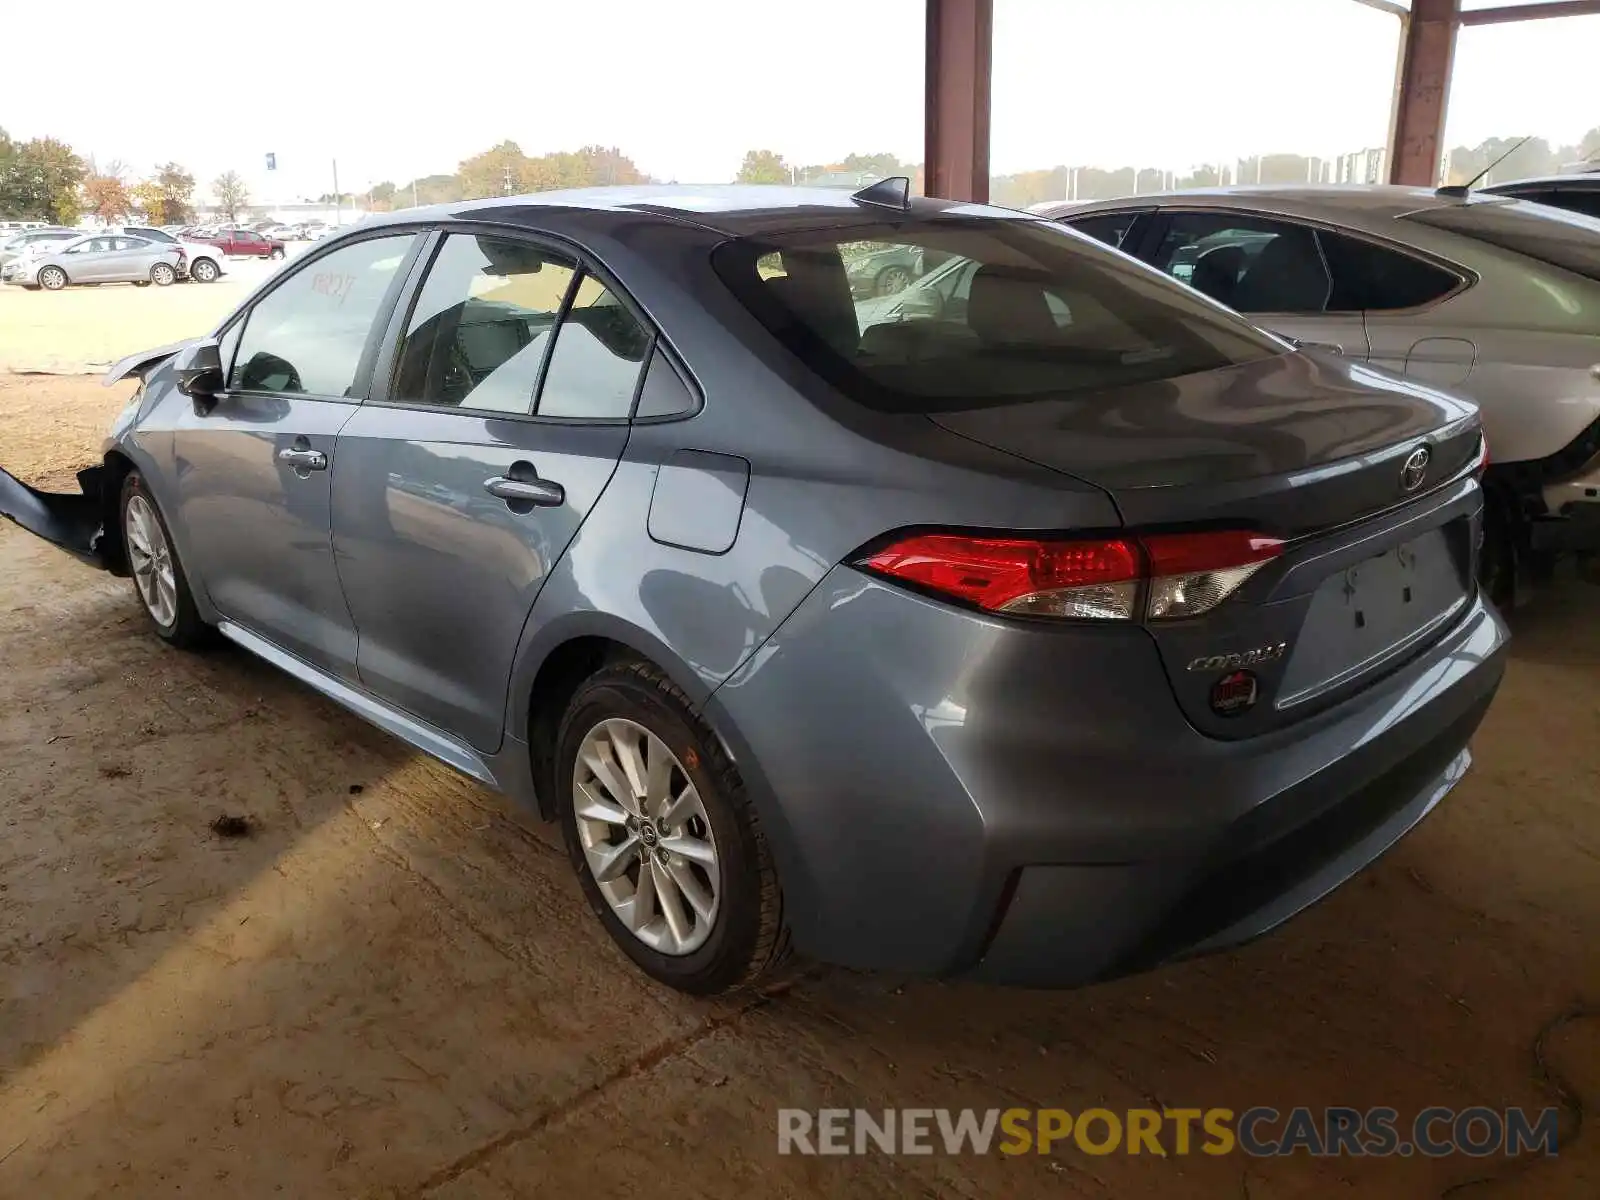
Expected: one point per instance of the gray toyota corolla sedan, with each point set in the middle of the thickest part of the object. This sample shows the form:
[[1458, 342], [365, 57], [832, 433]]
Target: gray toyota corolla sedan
[[1043, 633]]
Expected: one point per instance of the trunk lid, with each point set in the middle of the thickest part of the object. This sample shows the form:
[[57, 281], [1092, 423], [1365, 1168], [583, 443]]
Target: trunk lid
[[1289, 445], [1314, 450]]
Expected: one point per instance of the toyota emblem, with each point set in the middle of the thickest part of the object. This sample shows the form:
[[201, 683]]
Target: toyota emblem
[[1415, 469]]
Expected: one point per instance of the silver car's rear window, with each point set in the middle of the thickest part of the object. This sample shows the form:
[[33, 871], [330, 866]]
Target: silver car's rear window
[[1556, 236], [940, 314]]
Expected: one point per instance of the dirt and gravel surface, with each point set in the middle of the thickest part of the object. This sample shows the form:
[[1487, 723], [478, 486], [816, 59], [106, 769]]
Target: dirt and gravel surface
[[392, 988]]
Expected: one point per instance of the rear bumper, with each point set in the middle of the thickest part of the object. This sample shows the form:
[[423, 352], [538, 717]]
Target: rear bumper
[[947, 794]]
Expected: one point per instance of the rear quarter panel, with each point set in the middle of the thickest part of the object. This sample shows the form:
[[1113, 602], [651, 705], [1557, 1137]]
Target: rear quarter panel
[[825, 477]]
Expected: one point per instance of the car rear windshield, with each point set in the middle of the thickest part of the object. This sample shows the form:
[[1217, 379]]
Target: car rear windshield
[[941, 314], [1556, 236]]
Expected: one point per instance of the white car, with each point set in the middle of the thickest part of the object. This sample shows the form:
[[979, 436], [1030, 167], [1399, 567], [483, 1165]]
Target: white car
[[1489, 297], [202, 261]]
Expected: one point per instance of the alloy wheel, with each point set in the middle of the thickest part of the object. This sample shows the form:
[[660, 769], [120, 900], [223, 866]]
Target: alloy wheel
[[151, 560], [52, 278], [646, 837], [892, 280]]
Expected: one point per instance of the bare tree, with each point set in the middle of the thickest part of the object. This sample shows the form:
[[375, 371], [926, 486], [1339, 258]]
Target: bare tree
[[231, 193]]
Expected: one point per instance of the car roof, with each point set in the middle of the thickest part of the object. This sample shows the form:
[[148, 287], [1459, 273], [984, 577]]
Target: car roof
[[736, 210], [1577, 180], [1370, 200]]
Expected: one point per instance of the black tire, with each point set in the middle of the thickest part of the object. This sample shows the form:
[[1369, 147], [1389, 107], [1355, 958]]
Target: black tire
[[748, 938], [203, 270], [53, 279], [163, 274], [891, 280], [141, 283], [276, 255], [186, 630]]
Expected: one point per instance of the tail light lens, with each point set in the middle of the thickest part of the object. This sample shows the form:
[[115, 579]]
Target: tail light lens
[[1179, 574], [1095, 579]]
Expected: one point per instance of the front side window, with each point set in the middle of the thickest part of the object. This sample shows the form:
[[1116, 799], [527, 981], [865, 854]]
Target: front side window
[[481, 325], [1253, 264], [308, 334], [1015, 311], [594, 368]]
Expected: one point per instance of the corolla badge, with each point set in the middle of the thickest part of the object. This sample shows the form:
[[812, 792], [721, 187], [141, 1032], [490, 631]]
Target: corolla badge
[[1242, 658], [1415, 469]]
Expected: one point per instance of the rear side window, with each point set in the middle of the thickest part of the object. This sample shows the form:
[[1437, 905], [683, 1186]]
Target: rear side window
[[481, 326], [1555, 236], [1012, 311], [308, 334], [600, 350], [1372, 278]]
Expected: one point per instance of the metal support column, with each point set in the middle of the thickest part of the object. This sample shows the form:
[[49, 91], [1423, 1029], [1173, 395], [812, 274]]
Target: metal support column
[[1422, 90], [956, 131]]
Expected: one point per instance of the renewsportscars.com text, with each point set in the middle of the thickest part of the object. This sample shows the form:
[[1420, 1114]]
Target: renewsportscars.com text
[[1259, 1132]]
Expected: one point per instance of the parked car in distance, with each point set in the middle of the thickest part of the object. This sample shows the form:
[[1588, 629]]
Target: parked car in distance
[[27, 241], [882, 271], [98, 258], [1494, 298], [1040, 640], [243, 243], [283, 233], [202, 260], [1578, 192]]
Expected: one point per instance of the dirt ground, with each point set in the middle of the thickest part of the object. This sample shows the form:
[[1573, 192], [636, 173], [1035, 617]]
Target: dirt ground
[[393, 989]]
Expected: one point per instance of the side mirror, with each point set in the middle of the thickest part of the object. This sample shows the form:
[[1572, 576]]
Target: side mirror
[[199, 370]]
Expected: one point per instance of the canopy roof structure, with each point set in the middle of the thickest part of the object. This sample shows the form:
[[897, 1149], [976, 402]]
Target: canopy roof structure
[[960, 66]]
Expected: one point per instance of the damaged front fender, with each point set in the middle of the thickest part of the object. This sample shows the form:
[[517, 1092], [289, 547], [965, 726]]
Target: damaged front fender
[[76, 523]]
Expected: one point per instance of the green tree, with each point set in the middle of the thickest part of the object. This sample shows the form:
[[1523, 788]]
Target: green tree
[[166, 198], [502, 170], [231, 193], [763, 166], [381, 197], [876, 166], [432, 189], [40, 180]]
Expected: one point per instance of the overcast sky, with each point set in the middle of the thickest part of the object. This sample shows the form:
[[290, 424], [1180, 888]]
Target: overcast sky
[[686, 86]]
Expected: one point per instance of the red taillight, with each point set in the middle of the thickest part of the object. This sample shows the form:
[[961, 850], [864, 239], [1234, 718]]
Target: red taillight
[[1099, 579]]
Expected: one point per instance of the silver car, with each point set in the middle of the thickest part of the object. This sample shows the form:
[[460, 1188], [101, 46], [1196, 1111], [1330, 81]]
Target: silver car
[[1493, 298], [18, 242], [99, 258], [1042, 635]]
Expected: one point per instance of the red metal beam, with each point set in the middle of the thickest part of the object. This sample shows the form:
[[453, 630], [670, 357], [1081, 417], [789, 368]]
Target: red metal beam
[[956, 121], [1422, 90], [1530, 12]]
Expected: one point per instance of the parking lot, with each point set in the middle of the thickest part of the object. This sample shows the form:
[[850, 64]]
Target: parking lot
[[80, 328], [393, 987]]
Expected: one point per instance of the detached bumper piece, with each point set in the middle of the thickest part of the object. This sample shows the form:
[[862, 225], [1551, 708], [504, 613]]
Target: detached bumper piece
[[75, 522]]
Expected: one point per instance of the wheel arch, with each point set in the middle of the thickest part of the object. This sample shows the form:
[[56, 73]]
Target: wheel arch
[[557, 659]]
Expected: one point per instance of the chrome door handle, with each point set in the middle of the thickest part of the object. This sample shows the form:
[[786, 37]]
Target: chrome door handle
[[303, 460], [540, 493]]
